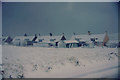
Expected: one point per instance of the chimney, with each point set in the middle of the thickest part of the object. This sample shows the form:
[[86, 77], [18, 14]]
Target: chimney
[[50, 34], [89, 33], [25, 35]]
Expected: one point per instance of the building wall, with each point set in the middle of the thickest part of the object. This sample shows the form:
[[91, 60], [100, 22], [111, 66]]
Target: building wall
[[61, 44], [40, 44]]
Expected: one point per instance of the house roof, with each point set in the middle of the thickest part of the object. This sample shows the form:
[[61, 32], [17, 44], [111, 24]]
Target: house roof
[[47, 39], [23, 38], [4, 38], [71, 41]]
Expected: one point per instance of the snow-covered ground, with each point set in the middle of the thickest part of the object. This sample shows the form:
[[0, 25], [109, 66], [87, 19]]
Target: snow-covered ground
[[38, 62]]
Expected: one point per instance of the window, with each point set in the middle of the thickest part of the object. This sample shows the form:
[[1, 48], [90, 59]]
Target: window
[[52, 40], [17, 39], [50, 44], [92, 39], [40, 40], [26, 39]]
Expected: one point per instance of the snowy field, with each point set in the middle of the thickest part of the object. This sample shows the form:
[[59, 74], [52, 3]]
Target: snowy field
[[37, 62]]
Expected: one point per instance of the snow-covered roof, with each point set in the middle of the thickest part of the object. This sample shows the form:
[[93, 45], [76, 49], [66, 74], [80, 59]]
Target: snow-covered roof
[[4, 38], [49, 39], [87, 38], [71, 41], [21, 38]]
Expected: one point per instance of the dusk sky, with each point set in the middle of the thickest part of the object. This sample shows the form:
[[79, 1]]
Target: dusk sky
[[59, 17]]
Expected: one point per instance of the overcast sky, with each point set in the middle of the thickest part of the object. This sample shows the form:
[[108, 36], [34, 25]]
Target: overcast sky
[[45, 17], [0, 19]]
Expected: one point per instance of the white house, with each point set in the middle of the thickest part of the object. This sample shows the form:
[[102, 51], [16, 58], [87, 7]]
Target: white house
[[89, 40], [111, 40], [49, 41], [24, 40]]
